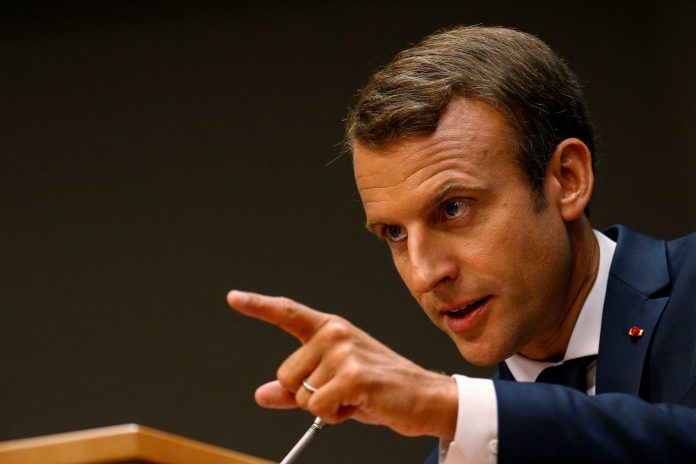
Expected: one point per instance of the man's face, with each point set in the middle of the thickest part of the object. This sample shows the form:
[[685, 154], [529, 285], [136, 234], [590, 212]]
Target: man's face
[[459, 218]]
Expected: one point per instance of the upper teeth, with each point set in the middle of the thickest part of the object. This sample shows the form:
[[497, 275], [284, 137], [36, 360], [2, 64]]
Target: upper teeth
[[458, 310]]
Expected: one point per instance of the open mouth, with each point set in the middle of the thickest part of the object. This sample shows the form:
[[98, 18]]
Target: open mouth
[[463, 311]]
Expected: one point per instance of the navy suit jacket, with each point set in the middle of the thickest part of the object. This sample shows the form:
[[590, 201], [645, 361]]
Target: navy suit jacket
[[643, 410]]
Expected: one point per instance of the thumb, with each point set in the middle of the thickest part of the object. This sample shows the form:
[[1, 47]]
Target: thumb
[[273, 395]]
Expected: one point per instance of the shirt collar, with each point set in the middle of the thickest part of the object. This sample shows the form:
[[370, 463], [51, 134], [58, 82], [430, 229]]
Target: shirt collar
[[584, 341]]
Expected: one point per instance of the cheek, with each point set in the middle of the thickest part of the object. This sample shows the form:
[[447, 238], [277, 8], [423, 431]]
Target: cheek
[[520, 253], [495, 254], [541, 268]]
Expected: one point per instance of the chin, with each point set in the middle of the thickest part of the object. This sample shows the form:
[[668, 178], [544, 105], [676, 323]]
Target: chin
[[482, 357], [485, 362], [482, 354]]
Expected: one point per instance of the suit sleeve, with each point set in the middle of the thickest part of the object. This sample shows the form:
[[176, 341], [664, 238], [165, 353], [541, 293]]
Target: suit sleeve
[[549, 423]]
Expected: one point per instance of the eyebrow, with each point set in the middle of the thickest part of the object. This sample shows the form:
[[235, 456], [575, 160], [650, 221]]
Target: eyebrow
[[441, 194], [370, 225], [449, 188]]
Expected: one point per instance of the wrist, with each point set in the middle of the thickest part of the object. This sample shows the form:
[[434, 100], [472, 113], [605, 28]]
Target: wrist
[[443, 407]]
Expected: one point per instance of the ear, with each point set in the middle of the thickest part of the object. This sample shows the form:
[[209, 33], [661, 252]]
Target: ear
[[570, 177]]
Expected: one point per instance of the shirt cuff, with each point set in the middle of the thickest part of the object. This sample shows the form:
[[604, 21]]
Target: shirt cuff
[[476, 434]]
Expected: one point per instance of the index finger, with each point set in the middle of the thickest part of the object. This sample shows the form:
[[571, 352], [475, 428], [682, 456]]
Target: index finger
[[298, 320]]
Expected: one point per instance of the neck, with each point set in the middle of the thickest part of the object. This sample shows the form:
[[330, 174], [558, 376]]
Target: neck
[[585, 255]]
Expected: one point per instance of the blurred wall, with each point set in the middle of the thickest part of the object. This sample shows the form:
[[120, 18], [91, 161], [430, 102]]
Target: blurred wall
[[156, 155]]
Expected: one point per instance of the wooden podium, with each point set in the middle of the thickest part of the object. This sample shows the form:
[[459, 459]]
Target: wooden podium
[[120, 444]]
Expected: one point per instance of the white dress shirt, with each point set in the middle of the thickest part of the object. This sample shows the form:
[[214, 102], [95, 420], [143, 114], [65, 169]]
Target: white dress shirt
[[476, 434]]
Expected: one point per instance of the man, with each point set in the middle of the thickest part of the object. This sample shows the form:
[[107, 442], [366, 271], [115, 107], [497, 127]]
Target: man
[[473, 158]]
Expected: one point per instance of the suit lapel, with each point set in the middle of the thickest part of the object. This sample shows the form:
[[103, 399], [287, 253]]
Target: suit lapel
[[634, 297], [621, 357]]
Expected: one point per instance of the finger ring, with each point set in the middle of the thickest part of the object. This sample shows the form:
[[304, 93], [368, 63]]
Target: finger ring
[[310, 388]]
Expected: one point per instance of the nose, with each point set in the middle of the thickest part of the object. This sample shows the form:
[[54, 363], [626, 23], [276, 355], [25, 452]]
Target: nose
[[431, 261]]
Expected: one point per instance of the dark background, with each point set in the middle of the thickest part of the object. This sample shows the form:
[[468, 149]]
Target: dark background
[[156, 155]]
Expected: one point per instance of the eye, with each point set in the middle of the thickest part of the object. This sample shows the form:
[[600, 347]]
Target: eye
[[395, 233], [455, 208]]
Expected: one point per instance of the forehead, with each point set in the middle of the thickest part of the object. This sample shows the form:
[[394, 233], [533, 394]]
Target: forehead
[[473, 145]]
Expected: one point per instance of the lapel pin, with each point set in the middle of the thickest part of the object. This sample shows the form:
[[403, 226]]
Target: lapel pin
[[635, 331]]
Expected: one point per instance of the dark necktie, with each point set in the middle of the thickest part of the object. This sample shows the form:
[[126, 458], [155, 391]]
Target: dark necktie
[[572, 373]]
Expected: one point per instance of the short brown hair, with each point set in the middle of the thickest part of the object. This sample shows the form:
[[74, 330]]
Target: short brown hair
[[515, 72]]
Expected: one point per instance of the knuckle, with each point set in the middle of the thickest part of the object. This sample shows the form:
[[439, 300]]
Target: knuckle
[[322, 405], [285, 302], [352, 373], [285, 377], [302, 399], [289, 307], [342, 353], [316, 407], [336, 329]]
